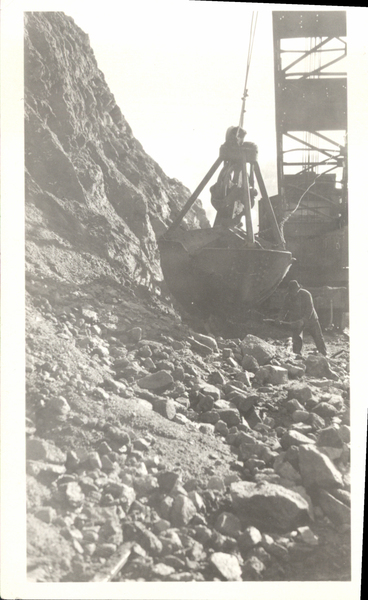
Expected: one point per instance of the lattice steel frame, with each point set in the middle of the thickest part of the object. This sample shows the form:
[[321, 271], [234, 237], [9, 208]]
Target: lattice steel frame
[[311, 101]]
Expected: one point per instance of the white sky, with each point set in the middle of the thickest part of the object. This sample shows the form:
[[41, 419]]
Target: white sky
[[177, 71]]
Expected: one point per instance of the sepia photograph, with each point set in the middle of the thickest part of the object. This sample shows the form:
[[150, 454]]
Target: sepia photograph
[[183, 274]]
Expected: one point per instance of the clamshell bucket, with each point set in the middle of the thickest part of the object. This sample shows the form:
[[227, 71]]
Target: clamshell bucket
[[224, 270], [215, 272]]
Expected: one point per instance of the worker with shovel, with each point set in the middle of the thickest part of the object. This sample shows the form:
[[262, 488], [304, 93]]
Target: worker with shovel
[[300, 314]]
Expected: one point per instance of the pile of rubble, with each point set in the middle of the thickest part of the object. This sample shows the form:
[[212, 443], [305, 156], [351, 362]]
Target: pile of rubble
[[106, 486]]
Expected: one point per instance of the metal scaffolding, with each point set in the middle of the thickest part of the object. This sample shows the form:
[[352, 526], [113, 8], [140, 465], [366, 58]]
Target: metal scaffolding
[[310, 51]]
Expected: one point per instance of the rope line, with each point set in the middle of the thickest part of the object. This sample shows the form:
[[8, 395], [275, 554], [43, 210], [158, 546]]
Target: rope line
[[253, 26], [285, 219]]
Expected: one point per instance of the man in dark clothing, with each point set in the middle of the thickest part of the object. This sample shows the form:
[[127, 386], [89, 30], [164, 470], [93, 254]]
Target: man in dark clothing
[[299, 310]]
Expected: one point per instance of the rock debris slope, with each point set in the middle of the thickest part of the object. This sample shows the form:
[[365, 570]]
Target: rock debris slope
[[95, 199], [154, 452]]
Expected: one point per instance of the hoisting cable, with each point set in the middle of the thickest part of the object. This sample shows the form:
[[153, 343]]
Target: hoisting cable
[[253, 26]]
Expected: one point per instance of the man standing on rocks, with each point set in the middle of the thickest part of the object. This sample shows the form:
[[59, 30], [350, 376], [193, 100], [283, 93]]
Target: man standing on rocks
[[299, 311]]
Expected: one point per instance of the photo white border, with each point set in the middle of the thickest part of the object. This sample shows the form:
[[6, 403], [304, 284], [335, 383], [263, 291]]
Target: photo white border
[[13, 501]]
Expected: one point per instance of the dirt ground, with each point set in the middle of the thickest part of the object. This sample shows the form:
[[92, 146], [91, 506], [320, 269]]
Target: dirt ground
[[74, 337]]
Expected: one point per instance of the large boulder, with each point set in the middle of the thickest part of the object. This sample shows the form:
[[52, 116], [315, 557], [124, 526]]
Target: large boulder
[[157, 381], [206, 340], [335, 510], [202, 349], [317, 469], [261, 350], [294, 438], [268, 506], [330, 436]]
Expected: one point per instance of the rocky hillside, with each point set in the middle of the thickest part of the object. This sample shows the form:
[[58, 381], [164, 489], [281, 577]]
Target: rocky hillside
[[94, 199], [154, 452]]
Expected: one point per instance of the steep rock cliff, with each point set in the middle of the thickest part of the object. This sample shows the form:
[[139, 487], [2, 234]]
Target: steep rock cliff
[[95, 201]]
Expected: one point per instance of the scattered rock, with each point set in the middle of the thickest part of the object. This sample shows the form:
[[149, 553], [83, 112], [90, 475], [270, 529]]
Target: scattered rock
[[209, 390], [317, 469], [182, 511], [167, 480], [210, 416], [337, 511], [271, 374], [227, 565], [38, 449], [162, 570], [330, 436], [308, 536], [250, 363], [207, 341], [147, 539], [253, 569], [294, 371], [46, 514], [269, 506], [318, 366], [165, 407], [300, 416], [325, 409], [299, 391], [135, 334], [294, 438], [261, 350], [228, 524], [344, 433], [59, 405], [216, 483], [250, 537], [74, 494], [207, 428], [230, 416], [202, 349], [157, 381]]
